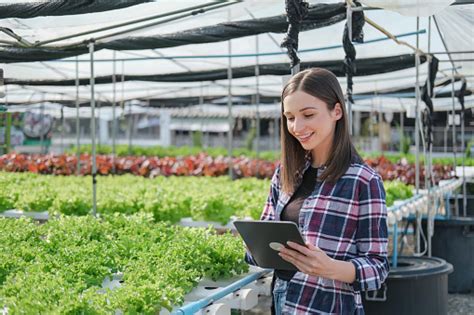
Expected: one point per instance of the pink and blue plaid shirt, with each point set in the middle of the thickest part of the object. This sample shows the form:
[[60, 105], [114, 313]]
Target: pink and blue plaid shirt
[[348, 221]]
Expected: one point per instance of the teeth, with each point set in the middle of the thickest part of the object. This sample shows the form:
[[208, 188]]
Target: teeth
[[302, 137]]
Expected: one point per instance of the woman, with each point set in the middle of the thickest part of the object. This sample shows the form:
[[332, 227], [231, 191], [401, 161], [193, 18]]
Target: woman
[[337, 201]]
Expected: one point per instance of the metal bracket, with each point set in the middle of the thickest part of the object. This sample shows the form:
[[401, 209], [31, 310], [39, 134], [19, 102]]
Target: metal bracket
[[467, 231], [379, 295]]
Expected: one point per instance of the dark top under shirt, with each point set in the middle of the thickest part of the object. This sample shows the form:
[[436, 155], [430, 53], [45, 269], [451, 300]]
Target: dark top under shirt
[[291, 212]]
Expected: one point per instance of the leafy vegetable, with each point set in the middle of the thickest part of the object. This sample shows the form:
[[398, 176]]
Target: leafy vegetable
[[58, 267], [166, 198]]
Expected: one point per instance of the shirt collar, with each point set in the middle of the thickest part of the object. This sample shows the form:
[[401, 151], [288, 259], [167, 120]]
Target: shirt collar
[[308, 159]]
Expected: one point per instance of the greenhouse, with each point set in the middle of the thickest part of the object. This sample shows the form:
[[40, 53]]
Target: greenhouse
[[156, 157]]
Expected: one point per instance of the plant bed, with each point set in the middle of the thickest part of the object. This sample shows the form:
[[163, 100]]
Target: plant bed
[[59, 266], [167, 198]]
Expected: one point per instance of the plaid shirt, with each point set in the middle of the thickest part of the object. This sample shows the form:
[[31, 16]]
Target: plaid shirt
[[348, 221]]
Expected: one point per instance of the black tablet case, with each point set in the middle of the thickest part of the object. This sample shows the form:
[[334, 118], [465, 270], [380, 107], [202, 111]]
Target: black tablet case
[[257, 235]]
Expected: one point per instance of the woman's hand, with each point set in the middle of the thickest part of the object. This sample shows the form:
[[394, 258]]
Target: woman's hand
[[313, 261], [308, 259]]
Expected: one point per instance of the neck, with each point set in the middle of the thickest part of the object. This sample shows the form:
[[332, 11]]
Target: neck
[[318, 160], [317, 165], [321, 154]]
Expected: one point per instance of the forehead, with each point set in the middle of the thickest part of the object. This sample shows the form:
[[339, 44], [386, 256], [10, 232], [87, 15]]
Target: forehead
[[300, 100]]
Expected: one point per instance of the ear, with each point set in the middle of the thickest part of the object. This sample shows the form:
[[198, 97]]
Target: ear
[[337, 111]]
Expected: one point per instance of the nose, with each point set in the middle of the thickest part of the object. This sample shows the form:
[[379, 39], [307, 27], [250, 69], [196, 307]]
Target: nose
[[298, 126]]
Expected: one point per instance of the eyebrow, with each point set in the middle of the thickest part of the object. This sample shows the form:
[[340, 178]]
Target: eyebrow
[[303, 109]]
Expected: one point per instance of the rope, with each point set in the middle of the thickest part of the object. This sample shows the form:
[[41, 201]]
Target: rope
[[461, 93], [390, 35], [352, 33], [296, 11], [427, 91]]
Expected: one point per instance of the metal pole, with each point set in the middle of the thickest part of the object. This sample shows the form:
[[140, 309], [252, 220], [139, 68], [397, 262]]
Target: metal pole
[[464, 192], [150, 128], [295, 69], [429, 39], [62, 129], [8, 131], [271, 133], [371, 124], [257, 103], [144, 26], [454, 113], [446, 134], [94, 167], [98, 125], [458, 60], [114, 105], [456, 207], [428, 158], [130, 126], [452, 52], [6, 148], [203, 118], [453, 120], [395, 245], [402, 129], [42, 150], [349, 28], [380, 118], [20, 40], [229, 106], [78, 132], [417, 136], [122, 96], [430, 218], [153, 17]]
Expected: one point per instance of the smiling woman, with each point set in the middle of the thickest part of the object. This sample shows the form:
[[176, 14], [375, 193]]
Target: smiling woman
[[311, 123], [337, 201], [316, 95]]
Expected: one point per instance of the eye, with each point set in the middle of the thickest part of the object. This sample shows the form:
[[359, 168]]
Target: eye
[[308, 115], [290, 118]]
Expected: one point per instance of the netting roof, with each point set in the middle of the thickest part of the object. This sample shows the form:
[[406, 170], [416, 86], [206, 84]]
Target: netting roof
[[205, 54]]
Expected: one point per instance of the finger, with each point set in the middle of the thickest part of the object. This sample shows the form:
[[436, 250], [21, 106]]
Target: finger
[[297, 263], [313, 247], [289, 251], [297, 258], [285, 257], [302, 249], [290, 258]]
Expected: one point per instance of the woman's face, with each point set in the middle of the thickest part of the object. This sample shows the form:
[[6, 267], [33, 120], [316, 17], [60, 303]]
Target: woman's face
[[310, 122]]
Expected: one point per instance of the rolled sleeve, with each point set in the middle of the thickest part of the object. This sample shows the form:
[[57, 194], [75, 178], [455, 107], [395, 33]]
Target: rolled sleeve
[[268, 213], [249, 259], [371, 264]]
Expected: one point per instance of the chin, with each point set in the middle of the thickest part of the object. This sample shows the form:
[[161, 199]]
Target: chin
[[308, 146]]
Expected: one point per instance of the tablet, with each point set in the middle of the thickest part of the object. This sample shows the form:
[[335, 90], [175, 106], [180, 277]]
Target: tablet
[[264, 239]]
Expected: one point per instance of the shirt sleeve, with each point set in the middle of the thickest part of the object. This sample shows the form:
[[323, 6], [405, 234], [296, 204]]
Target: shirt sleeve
[[371, 263], [268, 213]]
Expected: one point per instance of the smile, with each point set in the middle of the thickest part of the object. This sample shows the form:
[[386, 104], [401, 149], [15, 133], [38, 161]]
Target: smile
[[305, 137]]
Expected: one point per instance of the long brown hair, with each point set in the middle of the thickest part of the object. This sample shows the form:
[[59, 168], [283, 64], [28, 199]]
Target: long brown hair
[[322, 84]]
